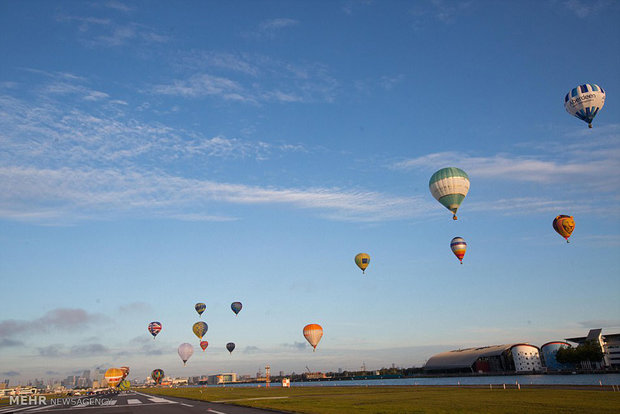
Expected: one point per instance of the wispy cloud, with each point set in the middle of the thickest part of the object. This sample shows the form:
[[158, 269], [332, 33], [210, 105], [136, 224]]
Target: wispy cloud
[[89, 193], [443, 11], [590, 166], [584, 9], [205, 85], [98, 32], [76, 351], [67, 319], [276, 24]]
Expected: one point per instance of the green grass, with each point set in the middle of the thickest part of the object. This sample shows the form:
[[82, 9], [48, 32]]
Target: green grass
[[409, 399]]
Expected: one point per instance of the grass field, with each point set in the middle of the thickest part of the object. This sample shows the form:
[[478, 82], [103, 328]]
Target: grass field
[[408, 399]]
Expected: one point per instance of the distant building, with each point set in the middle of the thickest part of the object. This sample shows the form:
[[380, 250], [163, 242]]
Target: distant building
[[610, 346], [548, 353], [313, 375], [223, 378], [495, 358]]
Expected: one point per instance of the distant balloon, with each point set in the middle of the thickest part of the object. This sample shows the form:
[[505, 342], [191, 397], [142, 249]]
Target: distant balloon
[[124, 385], [200, 329], [564, 225], [236, 307], [157, 375], [458, 247], [154, 328], [585, 101], [230, 346], [449, 186], [362, 260], [313, 334], [185, 352], [125, 371], [204, 345], [113, 376], [200, 307]]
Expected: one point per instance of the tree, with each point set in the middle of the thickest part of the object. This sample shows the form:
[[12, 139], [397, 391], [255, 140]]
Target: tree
[[587, 351]]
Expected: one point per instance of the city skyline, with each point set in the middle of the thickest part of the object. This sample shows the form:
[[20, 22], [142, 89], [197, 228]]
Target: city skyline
[[157, 155]]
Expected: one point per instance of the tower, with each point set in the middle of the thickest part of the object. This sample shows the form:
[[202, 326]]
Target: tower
[[267, 375]]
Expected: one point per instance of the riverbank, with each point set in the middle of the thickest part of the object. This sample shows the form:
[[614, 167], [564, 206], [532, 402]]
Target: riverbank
[[493, 399]]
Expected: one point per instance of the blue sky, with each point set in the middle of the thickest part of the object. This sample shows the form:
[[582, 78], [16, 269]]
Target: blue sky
[[156, 154]]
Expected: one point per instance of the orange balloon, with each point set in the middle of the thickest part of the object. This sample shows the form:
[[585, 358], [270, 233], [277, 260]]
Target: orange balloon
[[313, 334], [113, 376]]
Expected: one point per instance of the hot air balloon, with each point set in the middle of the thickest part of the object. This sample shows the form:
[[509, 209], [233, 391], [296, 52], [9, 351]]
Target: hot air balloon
[[204, 345], [236, 307], [200, 329], [200, 307], [564, 225], [113, 376], [185, 351], [458, 247], [313, 334], [124, 385], [362, 260], [157, 375], [125, 371], [585, 101], [449, 186], [230, 346], [154, 328]]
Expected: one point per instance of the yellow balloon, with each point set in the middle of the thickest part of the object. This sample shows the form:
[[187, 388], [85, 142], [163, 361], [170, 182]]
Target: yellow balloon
[[362, 261]]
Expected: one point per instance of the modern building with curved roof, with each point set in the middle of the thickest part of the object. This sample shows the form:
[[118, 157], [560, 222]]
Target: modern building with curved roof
[[519, 357], [548, 352]]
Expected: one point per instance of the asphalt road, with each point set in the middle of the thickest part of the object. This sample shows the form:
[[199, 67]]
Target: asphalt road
[[130, 402]]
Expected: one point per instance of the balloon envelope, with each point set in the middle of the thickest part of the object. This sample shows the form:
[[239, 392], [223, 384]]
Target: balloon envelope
[[236, 307], [154, 328], [230, 346], [113, 376], [124, 385], [313, 334], [200, 329], [564, 225], [585, 101], [200, 307], [362, 260], [458, 247], [204, 345], [157, 375], [185, 351], [449, 186], [125, 371]]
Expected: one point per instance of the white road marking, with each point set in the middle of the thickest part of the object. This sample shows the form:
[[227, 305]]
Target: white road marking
[[133, 401], [110, 402], [213, 411], [161, 400], [187, 405], [250, 399]]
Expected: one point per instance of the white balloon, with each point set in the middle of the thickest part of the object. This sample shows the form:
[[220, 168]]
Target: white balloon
[[585, 101], [185, 351]]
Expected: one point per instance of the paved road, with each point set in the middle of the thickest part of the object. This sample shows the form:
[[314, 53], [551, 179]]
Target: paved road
[[130, 402]]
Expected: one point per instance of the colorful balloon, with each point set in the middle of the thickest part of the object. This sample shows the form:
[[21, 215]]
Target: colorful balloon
[[362, 260], [449, 186], [230, 346], [236, 307], [564, 225], [200, 329], [125, 371], [204, 345], [585, 101], [124, 385], [313, 334], [113, 376], [154, 328], [185, 352], [157, 375], [200, 307], [458, 247]]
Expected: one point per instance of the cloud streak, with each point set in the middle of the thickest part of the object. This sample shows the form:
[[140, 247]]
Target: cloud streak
[[66, 319]]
